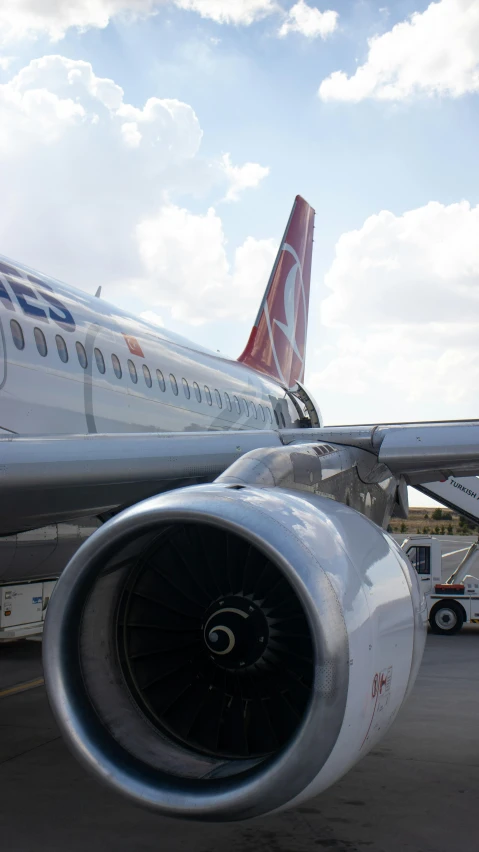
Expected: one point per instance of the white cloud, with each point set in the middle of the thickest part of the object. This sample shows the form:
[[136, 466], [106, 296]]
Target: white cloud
[[309, 21], [404, 305], [185, 259], [25, 18], [247, 176], [243, 12], [87, 181], [420, 267], [53, 93], [30, 18], [435, 52]]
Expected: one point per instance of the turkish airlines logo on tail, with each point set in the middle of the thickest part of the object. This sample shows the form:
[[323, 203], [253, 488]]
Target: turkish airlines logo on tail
[[291, 305], [289, 328]]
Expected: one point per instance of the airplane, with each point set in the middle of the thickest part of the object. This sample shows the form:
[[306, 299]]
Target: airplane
[[240, 629]]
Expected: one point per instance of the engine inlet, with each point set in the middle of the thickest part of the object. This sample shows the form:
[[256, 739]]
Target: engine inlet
[[214, 643]]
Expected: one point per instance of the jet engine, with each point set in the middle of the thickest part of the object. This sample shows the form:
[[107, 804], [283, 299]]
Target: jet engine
[[222, 651]]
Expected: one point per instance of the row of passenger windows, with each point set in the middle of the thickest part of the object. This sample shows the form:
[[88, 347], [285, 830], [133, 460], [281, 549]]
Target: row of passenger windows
[[248, 408]]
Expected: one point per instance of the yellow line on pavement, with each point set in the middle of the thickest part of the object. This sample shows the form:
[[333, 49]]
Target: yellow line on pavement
[[21, 687]]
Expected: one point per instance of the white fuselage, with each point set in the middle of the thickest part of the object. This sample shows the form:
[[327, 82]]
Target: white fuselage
[[70, 367]]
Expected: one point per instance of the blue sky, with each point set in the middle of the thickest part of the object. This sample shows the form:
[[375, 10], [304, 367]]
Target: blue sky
[[98, 193]]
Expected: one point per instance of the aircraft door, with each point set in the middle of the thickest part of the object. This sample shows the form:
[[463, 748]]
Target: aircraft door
[[420, 559]]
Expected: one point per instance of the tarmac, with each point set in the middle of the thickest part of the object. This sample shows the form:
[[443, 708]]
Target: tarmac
[[416, 792]]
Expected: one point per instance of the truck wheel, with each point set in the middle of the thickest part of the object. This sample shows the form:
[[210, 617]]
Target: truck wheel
[[446, 618]]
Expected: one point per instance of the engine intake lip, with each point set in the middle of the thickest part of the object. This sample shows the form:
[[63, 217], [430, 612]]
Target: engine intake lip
[[281, 525]]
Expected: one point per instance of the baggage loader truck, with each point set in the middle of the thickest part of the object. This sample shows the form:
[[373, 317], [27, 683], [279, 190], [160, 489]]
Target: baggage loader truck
[[455, 602]]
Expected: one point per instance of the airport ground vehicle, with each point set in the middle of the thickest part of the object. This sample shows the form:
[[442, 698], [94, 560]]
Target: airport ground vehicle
[[455, 602], [22, 609]]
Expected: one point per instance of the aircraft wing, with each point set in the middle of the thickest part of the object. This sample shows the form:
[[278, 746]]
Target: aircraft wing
[[439, 459], [47, 479], [421, 452]]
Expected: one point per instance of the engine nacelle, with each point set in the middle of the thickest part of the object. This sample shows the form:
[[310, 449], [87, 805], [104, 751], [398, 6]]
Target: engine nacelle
[[220, 652]]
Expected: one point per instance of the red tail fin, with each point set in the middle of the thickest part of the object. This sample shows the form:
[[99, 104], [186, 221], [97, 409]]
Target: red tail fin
[[277, 343]]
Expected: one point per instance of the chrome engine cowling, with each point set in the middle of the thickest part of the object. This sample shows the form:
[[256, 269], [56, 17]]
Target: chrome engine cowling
[[221, 651]]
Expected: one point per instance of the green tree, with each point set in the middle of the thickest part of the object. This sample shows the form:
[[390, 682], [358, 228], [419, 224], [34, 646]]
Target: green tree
[[403, 527], [450, 530], [425, 530], [437, 530], [426, 516], [437, 515]]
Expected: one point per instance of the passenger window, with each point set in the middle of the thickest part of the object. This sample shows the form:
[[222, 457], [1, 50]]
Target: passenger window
[[17, 334], [147, 376], [174, 384], [238, 409], [40, 341], [132, 371], [218, 398], [100, 361], [116, 366], [62, 349], [245, 406], [161, 380], [261, 411], [186, 388], [228, 401], [82, 359], [268, 414], [197, 391], [208, 395], [253, 408]]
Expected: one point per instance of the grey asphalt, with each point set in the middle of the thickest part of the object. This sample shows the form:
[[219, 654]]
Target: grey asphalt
[[416, 792]]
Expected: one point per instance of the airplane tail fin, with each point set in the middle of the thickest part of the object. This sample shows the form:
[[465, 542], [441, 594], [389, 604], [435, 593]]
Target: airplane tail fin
[[277, 343]]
